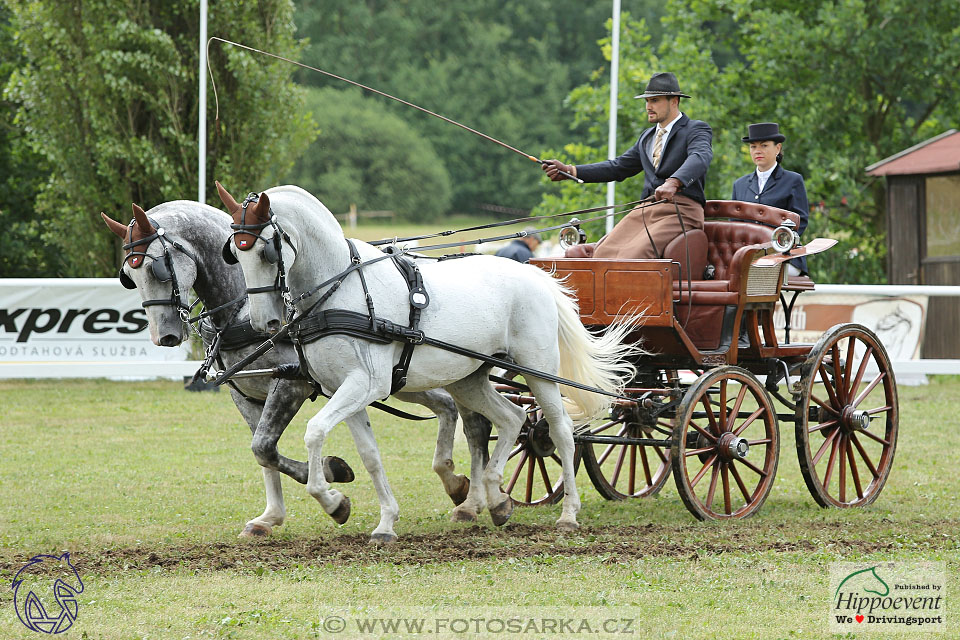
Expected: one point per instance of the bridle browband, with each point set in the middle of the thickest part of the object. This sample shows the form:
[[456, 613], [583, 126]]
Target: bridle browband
[[272, 250], [161, 266]]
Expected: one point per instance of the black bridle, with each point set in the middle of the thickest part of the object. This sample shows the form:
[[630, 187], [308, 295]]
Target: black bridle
[[272, 251], [161, 267]]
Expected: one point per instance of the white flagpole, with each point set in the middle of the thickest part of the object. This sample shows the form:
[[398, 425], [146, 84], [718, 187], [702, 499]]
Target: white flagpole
[[202, 108], [614, 91]]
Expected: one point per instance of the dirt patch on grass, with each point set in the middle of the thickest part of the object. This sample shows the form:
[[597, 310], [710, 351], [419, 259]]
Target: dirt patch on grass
[[610, 544]]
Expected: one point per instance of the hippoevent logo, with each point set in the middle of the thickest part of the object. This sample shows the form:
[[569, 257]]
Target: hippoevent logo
[[891, 596], [45, 593]]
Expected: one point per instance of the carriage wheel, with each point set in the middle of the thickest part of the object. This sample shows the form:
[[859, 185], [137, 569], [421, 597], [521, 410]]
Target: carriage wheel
[[620, 471], [847, 417], [726, 443], [532, 475]]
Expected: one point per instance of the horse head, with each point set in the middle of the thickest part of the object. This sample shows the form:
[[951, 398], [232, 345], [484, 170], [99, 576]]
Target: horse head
[[163, 285], [265, 253]]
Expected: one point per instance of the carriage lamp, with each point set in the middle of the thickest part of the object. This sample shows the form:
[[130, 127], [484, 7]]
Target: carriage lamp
[[572, 234], [785, 237]]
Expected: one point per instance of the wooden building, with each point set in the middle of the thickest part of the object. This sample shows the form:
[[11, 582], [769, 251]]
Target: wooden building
[[923, 230]]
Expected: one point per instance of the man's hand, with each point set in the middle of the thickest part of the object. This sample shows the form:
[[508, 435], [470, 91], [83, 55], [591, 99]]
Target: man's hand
[[668, 189], [581, 251], [554, 167]]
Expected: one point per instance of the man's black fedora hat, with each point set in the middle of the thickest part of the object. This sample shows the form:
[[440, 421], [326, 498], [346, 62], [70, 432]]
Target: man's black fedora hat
[[764, 131], [662, 84]]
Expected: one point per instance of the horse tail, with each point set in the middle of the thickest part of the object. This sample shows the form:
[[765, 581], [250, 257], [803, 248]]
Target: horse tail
[[601, 361]]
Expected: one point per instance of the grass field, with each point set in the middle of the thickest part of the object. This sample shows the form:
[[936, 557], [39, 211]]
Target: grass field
[[147, 486]]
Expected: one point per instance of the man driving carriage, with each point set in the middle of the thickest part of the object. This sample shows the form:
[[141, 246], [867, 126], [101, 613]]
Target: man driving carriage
[[673, 156]]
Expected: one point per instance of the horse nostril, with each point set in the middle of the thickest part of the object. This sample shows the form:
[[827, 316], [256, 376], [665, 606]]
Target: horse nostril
[[169, 340], [273, 326]]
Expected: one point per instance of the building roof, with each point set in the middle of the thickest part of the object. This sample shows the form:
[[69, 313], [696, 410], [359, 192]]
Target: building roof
[[940, 154]]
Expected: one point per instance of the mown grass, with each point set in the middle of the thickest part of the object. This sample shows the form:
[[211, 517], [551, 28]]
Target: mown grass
[[90, 466]]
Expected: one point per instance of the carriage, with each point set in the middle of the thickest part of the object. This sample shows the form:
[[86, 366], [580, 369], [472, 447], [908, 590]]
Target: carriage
[[716, 383]]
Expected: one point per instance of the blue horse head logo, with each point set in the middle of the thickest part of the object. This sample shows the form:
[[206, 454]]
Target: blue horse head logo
[[38, 577]]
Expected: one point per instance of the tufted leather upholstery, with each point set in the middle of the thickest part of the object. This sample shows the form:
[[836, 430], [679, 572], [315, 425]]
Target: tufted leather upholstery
[[751, 211], [726, 238], [694, 246]]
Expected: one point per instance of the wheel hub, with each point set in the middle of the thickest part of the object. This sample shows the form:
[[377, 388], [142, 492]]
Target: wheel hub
[[540, 443], [731, 446], [855, 420]]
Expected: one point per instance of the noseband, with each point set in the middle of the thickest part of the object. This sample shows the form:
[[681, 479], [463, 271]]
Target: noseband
[[272, 251], [161, 267]]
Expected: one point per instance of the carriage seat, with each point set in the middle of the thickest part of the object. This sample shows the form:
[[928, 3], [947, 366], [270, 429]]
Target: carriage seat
[[734, 231]]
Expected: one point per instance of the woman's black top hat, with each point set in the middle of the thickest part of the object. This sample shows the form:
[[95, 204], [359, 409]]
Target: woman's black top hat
[[764, 131], [662, 84]]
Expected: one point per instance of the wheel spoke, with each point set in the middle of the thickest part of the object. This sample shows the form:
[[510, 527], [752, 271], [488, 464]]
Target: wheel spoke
[[697, 452], [842, 462], [828, 386], [710, 415], [874, 436], [756, 442], [702, 471], [822, 425], [879, 410], [713, 486], [752, 467], [529, 490], [854, 473], [616, 470], [851, 350], [746, 423], [723, 405], [516, 473], [863, 368], [610, 447], [870, 387], [740, 483], [546, 477], [604, 427], [837, 374], [726, 490], [736, 409], [823, 447], [863, 454], [646, 466], [830, 461], [700, 430], [824, 405], [632, 473]]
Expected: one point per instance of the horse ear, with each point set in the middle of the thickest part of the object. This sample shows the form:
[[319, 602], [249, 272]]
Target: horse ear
[[262, 210], [227, 199], [141, 217], [119, 229]]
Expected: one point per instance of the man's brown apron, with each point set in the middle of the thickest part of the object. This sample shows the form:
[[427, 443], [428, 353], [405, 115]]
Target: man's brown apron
[[629, 239]]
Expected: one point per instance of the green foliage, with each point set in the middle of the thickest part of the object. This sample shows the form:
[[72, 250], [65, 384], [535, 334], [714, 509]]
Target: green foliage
[[368, 156], [108, 96], [501, 68], [849, 81]]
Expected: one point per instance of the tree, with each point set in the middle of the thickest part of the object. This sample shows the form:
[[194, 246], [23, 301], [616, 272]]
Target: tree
[[368, 156], [108, 96], [849, 81]]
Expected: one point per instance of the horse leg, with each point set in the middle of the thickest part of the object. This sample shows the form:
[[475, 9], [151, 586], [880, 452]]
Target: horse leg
[[475, 393], [477, 430], [359, 424], [444, 408], [283, 402], [561, 432], [275, 512], [353, 395]]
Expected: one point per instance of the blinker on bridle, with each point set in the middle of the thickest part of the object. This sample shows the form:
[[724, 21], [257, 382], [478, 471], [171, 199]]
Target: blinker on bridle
[[272, 251], [160, 266]]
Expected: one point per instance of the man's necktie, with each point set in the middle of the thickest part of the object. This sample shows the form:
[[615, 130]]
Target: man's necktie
[[658, 147]]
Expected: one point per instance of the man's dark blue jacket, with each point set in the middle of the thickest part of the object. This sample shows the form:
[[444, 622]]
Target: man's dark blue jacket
[[783, 190], [686, 157]]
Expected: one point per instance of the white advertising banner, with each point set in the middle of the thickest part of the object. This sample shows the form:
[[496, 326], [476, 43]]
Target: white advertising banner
[[78, 327]]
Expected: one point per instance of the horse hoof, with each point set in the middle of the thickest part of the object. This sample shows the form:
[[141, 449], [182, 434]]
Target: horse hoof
[[459, 494], [256, 530], [502, 512], [342, 512], [463, 515], [337, 470], [567, 525], [380, 539]]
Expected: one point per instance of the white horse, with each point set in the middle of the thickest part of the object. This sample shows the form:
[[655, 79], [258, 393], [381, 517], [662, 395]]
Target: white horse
[[486, 304]]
